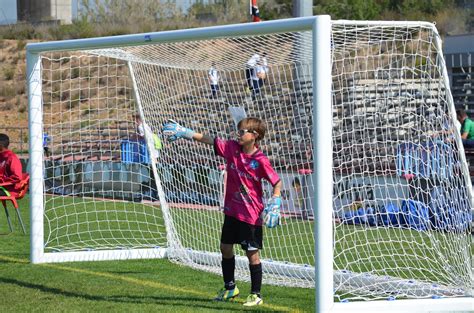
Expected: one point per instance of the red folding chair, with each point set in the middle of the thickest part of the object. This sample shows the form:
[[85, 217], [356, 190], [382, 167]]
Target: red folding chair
[[23, 184]]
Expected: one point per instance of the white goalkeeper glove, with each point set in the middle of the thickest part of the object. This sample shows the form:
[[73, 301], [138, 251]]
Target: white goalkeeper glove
[[174, 131], [271, 214]]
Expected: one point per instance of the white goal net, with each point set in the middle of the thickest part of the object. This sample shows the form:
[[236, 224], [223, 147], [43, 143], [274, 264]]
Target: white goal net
[[401, 196]]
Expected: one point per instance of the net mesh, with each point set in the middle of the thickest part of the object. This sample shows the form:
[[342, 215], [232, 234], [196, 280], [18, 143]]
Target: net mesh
[[401, 205]]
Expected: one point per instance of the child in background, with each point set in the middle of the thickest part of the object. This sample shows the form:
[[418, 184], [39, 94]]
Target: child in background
[[213, 80]]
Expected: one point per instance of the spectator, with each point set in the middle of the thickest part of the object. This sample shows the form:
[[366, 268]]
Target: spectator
[[146, 135], [250, 69], [467, 128], [214, 80], [246, 167], [153, 144], [10, 169], [46, 140], [258, 76], [299, 198]]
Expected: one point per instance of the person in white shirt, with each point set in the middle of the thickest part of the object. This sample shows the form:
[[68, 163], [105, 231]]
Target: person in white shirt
[[145, 134], [258, 76], [214, 80], [250, 69]]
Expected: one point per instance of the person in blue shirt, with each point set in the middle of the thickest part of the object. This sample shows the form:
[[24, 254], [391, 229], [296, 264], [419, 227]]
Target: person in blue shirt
[[46, 140]]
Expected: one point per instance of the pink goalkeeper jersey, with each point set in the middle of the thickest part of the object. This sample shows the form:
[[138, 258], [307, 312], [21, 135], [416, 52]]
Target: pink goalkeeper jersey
[[243, 197]]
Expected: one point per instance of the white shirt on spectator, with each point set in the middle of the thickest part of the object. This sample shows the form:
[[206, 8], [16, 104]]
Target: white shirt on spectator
[[253, 60], [213, 76]]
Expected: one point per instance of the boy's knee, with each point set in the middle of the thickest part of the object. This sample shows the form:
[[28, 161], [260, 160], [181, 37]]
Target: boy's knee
[[227, 251], [253, 257]]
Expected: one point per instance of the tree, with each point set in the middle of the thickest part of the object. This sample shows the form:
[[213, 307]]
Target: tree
[[276, 9], [351, 9]]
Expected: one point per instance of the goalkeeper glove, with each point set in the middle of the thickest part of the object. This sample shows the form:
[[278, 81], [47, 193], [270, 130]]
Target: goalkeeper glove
[[271, 214], [174, 131]]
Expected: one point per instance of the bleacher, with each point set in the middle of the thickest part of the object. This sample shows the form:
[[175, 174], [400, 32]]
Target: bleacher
[[367, 113], [462, 89], [101, 143]]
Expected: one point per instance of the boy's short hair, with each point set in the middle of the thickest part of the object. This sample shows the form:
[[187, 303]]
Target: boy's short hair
[[4, 140], [461, 113], [255, 124]]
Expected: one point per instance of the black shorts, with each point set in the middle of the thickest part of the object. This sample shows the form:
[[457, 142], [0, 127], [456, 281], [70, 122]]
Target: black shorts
[[249, 237]]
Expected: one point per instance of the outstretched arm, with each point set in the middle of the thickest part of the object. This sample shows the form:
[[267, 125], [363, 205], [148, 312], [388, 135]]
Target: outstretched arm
[[175, 131], [203, 138]]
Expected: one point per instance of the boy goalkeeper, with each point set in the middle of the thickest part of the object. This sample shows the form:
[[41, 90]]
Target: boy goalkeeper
[[244, 211]]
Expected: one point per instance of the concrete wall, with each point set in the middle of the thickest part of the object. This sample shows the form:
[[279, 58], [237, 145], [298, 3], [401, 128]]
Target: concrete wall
[[45, 10]]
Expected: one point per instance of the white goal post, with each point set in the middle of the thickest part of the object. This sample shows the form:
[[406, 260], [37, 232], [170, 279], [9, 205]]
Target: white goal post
[[358, 110]]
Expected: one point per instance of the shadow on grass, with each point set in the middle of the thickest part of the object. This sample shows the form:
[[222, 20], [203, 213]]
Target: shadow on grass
[[183, 301]]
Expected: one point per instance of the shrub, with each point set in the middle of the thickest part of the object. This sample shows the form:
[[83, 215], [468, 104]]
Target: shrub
[[21, 108], [21, 88], [75, 72], [7, 106], [20, 45], [65, 95], [85, 124], [16, 58], [19, 31], [75, 101], [9, 73]]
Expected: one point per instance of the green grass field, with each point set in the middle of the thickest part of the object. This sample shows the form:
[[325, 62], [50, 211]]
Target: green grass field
[[398, 252], [117, 286], [159, 285]]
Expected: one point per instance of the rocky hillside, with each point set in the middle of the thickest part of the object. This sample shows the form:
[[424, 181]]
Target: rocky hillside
[[13, 97]]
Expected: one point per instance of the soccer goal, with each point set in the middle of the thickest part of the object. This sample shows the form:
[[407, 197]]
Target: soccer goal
[[361, 129]]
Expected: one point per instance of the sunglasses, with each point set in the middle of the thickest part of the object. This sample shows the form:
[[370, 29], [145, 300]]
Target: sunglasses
[[242, 132]]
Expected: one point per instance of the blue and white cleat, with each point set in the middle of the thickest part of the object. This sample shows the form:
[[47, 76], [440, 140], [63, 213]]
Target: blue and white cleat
[[227, 295]]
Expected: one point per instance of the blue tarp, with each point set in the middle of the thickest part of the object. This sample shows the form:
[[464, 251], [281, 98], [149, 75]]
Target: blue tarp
[[134, 151], [361, 216], [390, 215], [427, 159], [415, 215], [411, 214]]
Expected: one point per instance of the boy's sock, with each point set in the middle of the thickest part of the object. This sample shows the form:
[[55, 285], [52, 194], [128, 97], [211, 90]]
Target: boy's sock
[[256, 278], [228, 268]]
